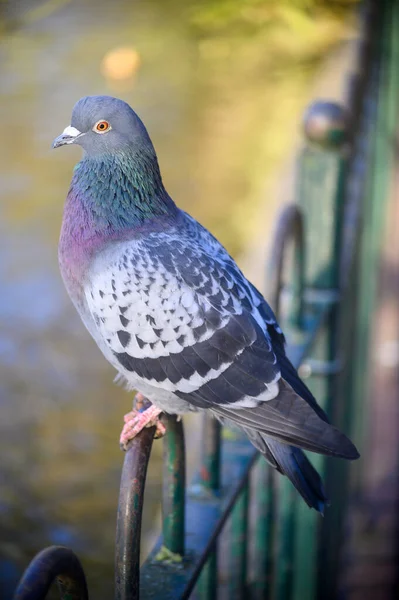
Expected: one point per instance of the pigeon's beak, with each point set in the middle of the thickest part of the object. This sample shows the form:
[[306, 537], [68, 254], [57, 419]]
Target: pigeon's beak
[[68, 136]]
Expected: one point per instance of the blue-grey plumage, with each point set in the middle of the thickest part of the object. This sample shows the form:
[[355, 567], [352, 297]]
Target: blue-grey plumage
[[168, 306]]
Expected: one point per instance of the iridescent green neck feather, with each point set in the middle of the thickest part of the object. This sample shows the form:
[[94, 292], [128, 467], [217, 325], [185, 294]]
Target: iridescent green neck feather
[[120, 190], [112, 197]]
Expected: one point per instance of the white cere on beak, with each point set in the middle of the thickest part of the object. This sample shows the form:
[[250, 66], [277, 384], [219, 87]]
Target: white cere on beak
[[71, 131], [68, 136]]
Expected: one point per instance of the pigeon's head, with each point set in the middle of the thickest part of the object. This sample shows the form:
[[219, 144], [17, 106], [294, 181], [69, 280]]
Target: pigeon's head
[[102, 125]]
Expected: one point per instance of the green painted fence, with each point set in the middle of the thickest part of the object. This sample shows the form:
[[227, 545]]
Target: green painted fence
[[322, 284]]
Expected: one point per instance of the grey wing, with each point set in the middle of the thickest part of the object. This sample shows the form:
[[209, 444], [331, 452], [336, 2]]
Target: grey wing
[[182, 319], [266, 314]]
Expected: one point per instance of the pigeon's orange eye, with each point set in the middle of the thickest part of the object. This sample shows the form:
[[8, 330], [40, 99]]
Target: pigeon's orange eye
[[101, 127]]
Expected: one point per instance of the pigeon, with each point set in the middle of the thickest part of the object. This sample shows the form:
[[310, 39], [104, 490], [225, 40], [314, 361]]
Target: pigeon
[[170, 309]]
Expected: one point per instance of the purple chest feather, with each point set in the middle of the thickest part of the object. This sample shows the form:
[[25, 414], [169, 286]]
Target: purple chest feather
[[79, 241]]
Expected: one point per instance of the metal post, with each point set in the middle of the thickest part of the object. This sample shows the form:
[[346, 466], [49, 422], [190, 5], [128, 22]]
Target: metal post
[[174, 487], [285, 541], [278, 516], [322, 169], [210, 481], [238, 547], [130, 509], [384, 94], [210, 467], [265, 530]]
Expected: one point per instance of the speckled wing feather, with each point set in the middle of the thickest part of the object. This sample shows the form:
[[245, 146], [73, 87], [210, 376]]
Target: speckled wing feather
[[174, 317]]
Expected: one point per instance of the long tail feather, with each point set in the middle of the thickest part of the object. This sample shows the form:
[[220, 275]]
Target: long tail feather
[[293, 463], [288, 418]]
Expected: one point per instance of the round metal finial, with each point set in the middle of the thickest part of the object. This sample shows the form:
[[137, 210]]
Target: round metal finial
[[326, 123]]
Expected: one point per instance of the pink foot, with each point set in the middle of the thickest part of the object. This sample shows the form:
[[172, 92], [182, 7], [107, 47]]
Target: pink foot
[[135, 421]]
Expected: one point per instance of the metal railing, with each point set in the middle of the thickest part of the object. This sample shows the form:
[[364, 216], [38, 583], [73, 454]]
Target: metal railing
[[325, 303]]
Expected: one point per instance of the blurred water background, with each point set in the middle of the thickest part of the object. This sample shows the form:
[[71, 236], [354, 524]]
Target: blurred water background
[[220, 85]]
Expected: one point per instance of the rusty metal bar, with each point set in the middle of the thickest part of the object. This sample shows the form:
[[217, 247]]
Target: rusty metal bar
[[130, 508], [55, 563]]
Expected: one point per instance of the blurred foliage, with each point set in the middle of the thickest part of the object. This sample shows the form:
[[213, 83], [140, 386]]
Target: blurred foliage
[[255, 60], [250, 17]]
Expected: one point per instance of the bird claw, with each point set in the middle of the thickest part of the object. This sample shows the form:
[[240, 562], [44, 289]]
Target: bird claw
[[138, 419]]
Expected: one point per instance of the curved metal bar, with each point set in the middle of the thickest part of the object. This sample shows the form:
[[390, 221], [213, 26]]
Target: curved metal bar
[[130, 508], [289, 227], [53, 563], [174, 486]]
